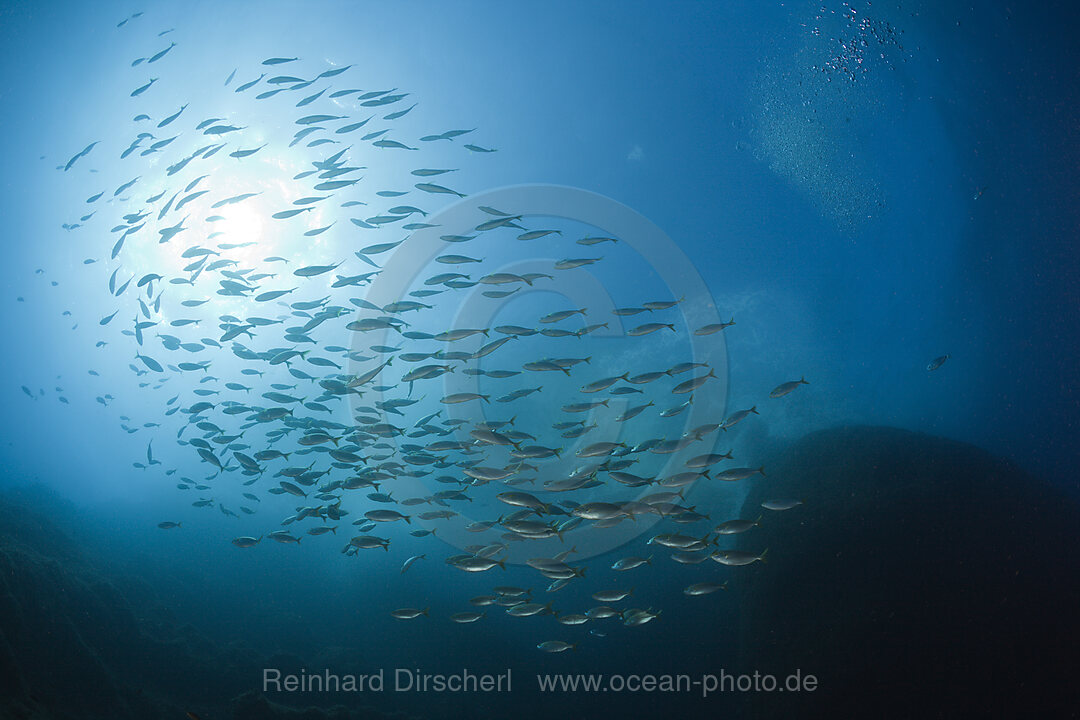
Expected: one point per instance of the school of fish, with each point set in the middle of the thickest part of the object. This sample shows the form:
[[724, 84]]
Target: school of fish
[[280, 416]]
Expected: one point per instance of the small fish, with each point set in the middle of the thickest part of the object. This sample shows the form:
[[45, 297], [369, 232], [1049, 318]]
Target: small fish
[[157, 56], [82, 153], [937, 362], [562, 315], [649, 328], [738, 558], [478, 564], [705, 588], [737, 527], [409, 563], [284, 538], [249, 85], [246, 153], [789, 387], [781, 504], [630, 563], [714, 328], [466, 617], [437, 189], [409, 613], [737, 417], [313, 270], [140, 90], [736, 474], [691, 385], [572, 263]]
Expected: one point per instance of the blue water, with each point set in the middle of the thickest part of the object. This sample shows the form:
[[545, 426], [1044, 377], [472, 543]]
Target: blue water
[[863, 187]]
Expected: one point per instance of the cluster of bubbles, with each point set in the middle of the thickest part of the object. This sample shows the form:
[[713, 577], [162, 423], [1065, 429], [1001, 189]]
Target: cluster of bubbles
[[857, 44], [806, 127]]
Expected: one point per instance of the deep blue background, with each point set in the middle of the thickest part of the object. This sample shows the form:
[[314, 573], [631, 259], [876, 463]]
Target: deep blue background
[[855, 228]]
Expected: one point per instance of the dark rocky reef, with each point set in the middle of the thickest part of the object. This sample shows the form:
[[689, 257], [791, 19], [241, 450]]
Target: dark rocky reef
[[78, 642], [922, 578], [74, 645]]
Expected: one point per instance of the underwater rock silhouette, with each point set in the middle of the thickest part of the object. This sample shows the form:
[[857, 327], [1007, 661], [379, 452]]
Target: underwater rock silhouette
[[922, 578], [76, 643], [254, 706], [73, 644]]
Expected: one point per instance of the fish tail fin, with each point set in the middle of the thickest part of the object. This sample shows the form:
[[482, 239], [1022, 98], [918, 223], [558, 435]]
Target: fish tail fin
[[762, 556], [754, 410], [803, 381], [501, 564], [424, 612], [757, 522], [408, 519]]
